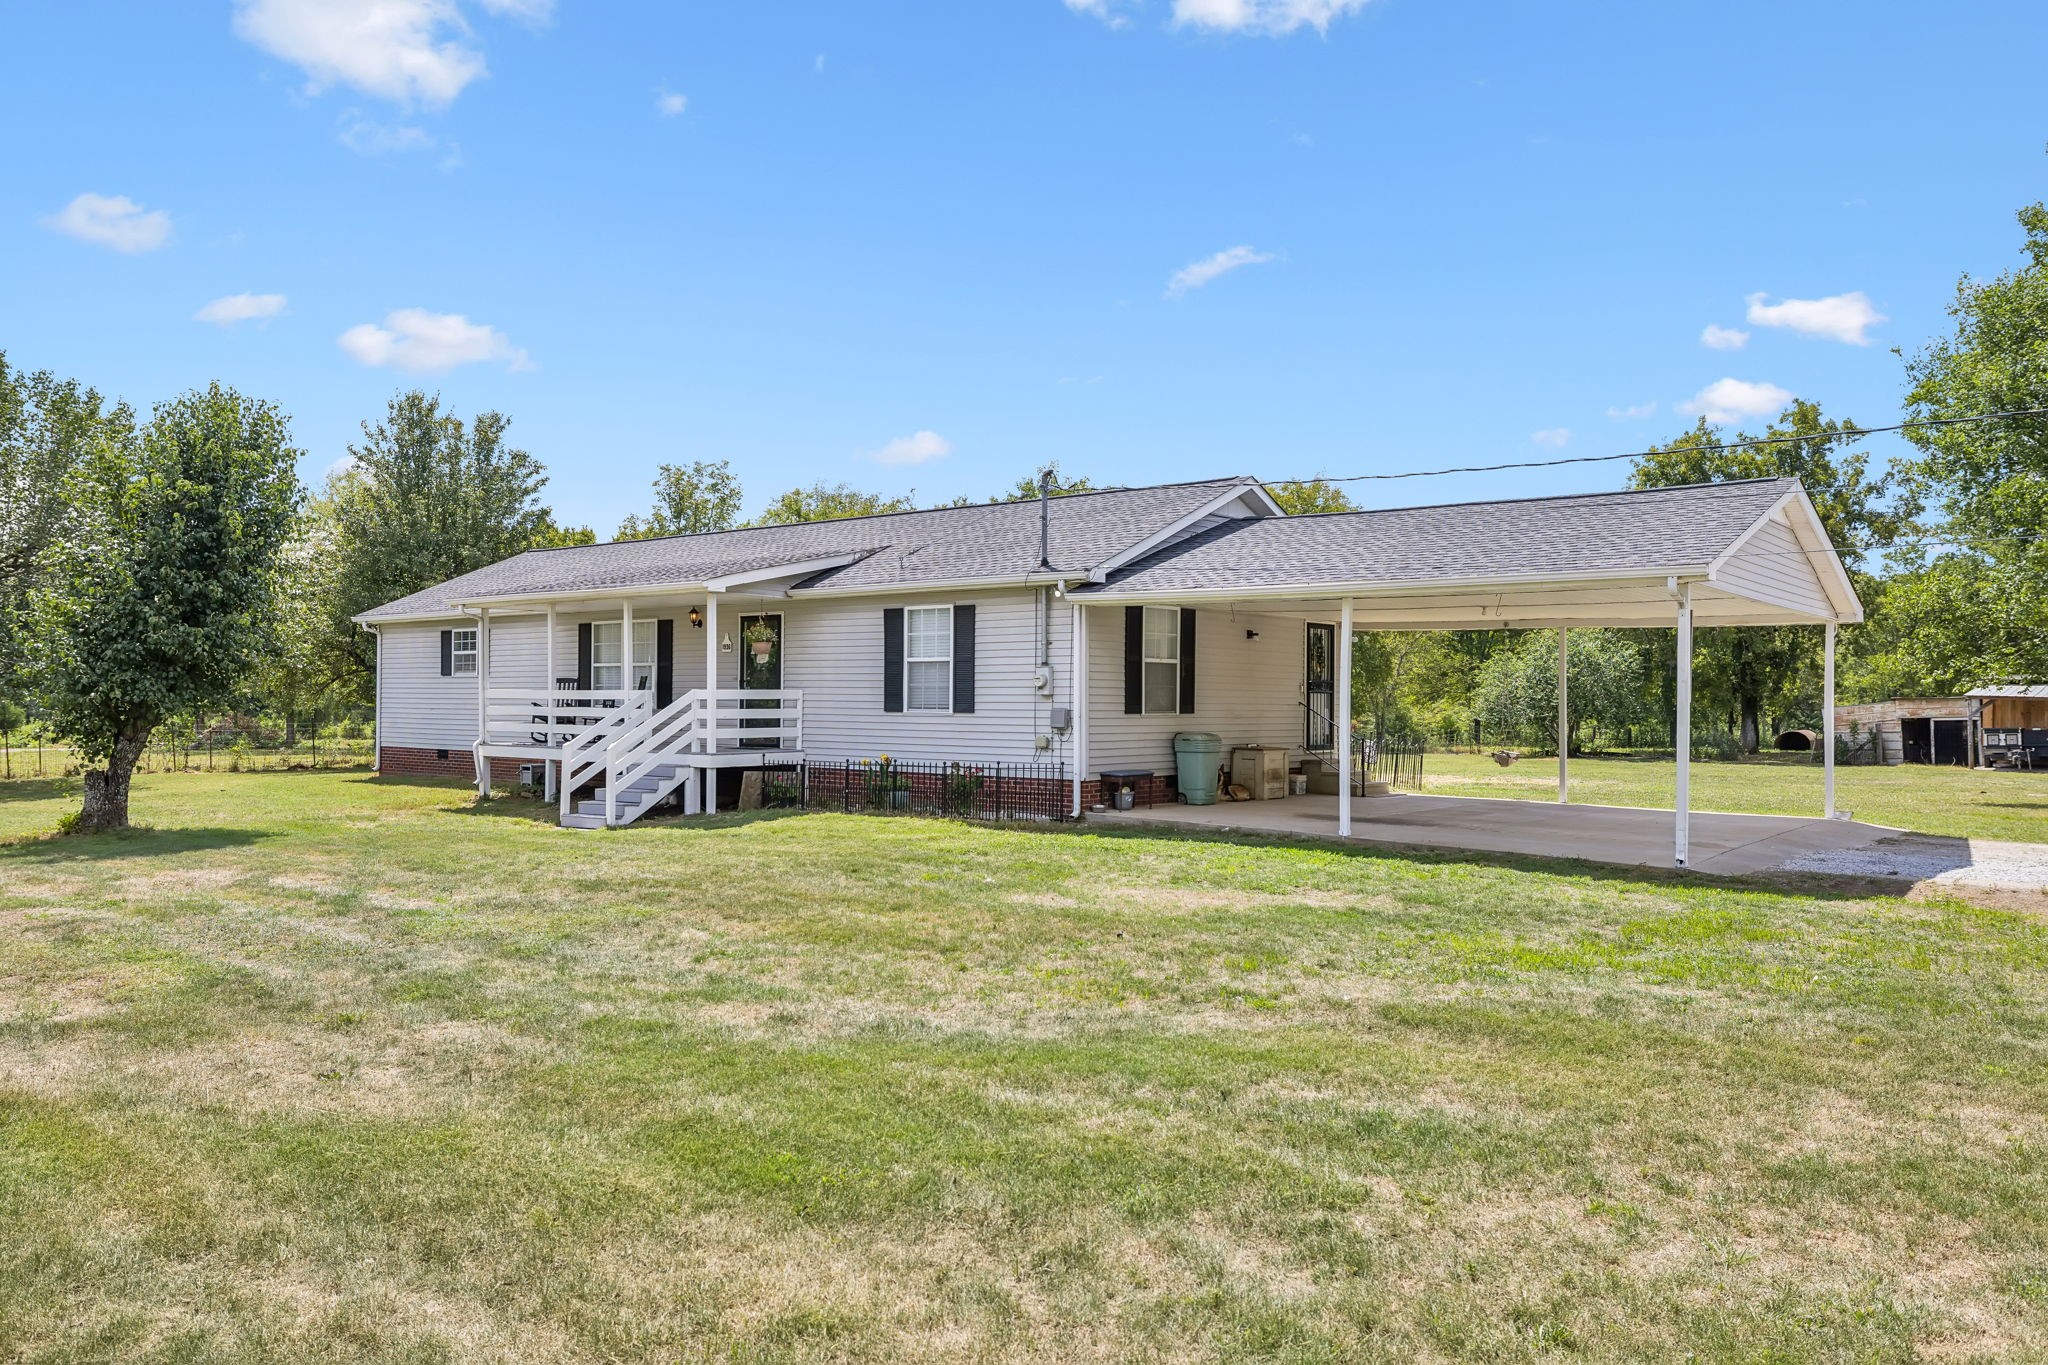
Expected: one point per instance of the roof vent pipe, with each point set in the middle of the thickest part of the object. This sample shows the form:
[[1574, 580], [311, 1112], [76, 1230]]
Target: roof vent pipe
[[1045, 517]]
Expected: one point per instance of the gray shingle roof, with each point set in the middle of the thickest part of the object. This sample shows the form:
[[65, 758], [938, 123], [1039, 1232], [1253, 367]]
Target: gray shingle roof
[[1652, 529], [992, 541]]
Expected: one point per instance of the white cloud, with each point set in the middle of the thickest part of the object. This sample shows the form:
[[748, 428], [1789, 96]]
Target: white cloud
[[1552, 438], [1099, 9], [1731, 400], [1719, 338], [1634, 413], [818, 64], [371, 138], [669, 105], [113, 221], [1201, 272], [234, 308], [1262, 16], [534, 12], [406, 51], [1839, 317], [917, 448], [414, 339]]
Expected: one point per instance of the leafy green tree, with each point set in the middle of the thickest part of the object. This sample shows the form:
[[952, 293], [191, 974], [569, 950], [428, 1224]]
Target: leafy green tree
[[1310, 496], [1975, 608], [157, 597], [12, 718], [1026, 488], [1758, 668], [1517, 687], [688, 500], [47, 426], [426, 498], [829, 502]]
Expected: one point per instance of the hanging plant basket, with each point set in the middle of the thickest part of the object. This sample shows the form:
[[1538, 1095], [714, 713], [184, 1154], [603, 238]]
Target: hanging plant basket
[[761, 648]]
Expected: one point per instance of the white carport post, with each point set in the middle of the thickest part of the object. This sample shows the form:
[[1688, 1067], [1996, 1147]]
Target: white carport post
[[1827, 723], [1681, 730], [1077, 695], [1564, 725], [1343, 722]]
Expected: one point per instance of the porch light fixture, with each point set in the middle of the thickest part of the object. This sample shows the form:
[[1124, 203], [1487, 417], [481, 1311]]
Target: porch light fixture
[[696, 619], [1251, 635]]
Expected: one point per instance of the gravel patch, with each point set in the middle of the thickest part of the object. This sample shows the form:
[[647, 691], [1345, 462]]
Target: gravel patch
[[1982, 863]]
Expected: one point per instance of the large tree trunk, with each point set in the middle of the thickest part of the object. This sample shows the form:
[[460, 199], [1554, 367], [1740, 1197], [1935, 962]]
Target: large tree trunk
[[106, 789], [1752, 738], [291, 729]]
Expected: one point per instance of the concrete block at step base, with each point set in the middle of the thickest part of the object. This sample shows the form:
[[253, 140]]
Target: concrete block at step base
[[750, 791]]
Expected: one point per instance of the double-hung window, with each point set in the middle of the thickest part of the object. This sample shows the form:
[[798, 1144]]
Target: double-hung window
[[607, 661], [462, 653], [928, 658], [1162, 661]]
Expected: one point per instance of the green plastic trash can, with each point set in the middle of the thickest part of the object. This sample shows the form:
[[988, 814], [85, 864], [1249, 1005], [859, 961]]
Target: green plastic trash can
[[1198, 762]]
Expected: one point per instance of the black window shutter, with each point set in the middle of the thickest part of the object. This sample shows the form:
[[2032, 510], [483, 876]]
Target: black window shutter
[[892, 659], [963, 661], [664, 662], [1187, 661], [447, 653], [583, 657], [1134, 661]]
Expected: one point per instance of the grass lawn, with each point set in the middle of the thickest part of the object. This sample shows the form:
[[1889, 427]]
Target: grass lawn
[[326, 1068], [1952, 801]]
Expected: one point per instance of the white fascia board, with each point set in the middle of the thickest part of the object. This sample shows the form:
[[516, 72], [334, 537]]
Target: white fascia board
[[1248, 489], [1030, 580], [1812, 534], [802, 568], [539, 600], [1402, 588]]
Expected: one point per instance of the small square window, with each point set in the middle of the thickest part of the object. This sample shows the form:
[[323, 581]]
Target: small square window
[[462, 653]]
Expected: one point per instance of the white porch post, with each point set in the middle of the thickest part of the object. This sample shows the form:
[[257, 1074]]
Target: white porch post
[[1343, 722], [550, 770], [1682, 728], [1827, 724], [1077, 695], [708, 717], [626, 651], [483, 700], [1564, 719]]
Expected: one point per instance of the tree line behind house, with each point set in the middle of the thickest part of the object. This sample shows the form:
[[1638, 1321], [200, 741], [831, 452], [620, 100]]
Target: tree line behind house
[[157, 571]]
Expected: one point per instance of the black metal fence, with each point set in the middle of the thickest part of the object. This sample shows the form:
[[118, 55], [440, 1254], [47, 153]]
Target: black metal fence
[[1396, 762], [969, 791]]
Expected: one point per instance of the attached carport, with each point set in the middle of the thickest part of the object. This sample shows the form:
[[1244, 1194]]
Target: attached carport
[[1703, 556]]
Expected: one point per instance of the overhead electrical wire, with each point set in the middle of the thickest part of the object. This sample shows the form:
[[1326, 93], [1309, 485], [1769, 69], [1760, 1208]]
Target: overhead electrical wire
[[1844, 434]]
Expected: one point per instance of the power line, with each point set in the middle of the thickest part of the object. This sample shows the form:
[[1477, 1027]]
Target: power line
[[1844, 434]]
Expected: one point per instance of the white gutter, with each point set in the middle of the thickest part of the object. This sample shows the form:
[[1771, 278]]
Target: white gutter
[[1392, 588]]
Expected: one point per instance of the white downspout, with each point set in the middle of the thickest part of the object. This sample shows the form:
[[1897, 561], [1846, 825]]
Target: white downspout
[[1077, 693], [483, 700], [551, 769]]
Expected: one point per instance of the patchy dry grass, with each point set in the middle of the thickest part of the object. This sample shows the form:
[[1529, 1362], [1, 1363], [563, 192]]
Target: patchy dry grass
[[326, 1068]]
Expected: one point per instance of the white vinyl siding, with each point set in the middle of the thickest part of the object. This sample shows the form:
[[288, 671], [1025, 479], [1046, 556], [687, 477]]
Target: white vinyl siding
[[1248, 691], [1772, 566], [462, 653], [928, 658], [418, 708], [1161, 688]]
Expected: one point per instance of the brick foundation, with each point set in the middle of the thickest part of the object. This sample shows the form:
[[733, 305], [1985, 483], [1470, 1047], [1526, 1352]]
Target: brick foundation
[[396, 762]]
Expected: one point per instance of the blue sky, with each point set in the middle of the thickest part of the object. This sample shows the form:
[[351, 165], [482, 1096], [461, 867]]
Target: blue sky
[[930, 245]]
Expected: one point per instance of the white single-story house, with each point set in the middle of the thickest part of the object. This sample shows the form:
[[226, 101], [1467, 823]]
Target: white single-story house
[[1083, 631]]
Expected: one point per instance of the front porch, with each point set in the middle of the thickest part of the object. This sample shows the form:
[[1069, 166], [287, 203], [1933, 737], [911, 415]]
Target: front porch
[[1721, 844]]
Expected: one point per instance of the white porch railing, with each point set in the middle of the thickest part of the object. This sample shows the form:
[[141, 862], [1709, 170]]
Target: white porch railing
[[625, 741], [537, 717]]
